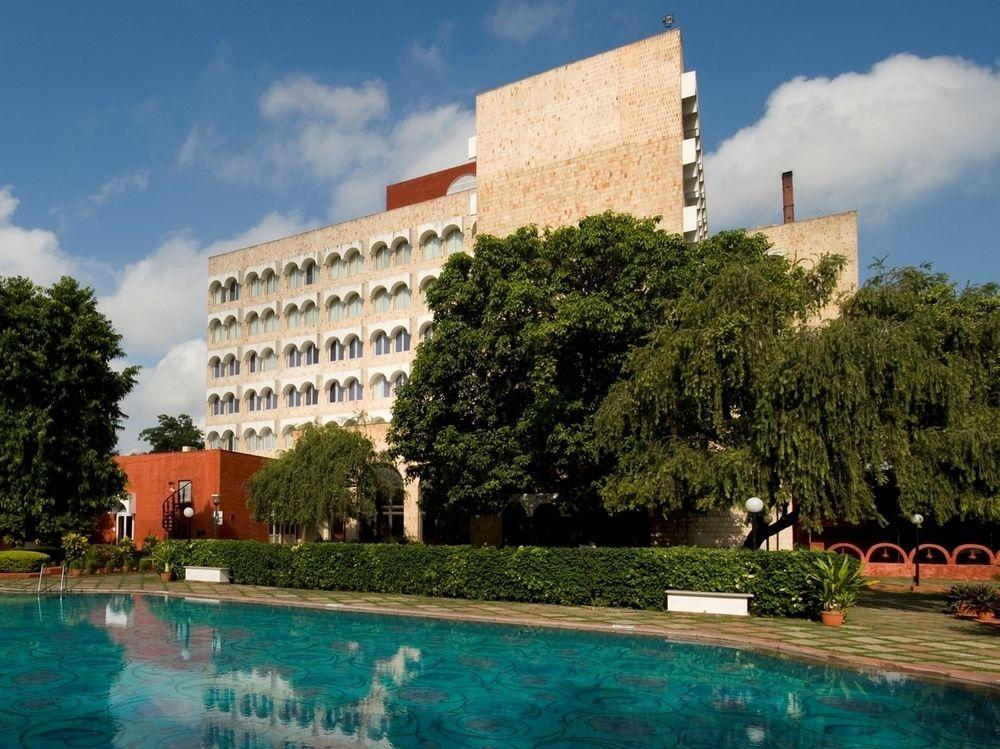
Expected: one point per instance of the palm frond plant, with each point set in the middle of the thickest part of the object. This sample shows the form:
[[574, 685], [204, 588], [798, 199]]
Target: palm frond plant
[[839, 580]]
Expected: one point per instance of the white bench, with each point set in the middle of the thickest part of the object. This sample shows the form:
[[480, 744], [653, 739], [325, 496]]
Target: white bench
[[206, 574], [698, 602]]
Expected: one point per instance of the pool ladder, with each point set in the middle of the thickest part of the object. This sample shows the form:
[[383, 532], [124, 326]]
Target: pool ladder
[[63, 578]]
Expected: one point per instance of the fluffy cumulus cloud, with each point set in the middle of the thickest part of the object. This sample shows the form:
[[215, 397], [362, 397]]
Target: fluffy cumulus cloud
[[174, 385], [157, 303], [521, 21], [880, 140], [34, 253], [344, 138]]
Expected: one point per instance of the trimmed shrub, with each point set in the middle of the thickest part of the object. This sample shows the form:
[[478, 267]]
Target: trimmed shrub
[[780, 581], [22, 561], [55, 553]]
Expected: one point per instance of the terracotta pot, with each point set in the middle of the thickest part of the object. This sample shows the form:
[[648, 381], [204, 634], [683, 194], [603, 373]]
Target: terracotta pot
[[986, 616], [964, 612], [102, 570], [833, 618], [75, 572], [166, 576]]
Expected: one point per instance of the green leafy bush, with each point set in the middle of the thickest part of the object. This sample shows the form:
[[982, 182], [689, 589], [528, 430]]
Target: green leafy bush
[[22, 561], [781, 582]]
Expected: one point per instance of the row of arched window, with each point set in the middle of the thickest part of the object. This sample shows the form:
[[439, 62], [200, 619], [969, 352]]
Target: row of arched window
[[351, 263], [307, 314], [254, 440], [307, 394], [352, 347]]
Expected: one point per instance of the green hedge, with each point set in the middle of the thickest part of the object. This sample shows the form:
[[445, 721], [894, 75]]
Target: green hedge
[[630, 578], [22, 561]]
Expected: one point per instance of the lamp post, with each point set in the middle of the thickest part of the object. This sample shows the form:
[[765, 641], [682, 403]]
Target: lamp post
[[916, 518], [188, 513], [754, 505], [216, 501]]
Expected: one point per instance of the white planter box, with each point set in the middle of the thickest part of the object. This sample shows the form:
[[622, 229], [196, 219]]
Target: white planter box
[[206, 574], [697, 602]]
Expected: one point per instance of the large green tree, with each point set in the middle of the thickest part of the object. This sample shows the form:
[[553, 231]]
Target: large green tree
[[887, 409], [528, 336], [331, 474], [60, 396], [172, 433]]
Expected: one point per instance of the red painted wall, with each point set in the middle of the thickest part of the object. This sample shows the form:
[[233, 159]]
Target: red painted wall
[[425, 187], [209, 471]]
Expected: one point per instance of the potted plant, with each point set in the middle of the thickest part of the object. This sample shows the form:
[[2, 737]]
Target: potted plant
[[984, 601], [165, 555], [124, 552], [839, 583], [959, 601], [75, 548]]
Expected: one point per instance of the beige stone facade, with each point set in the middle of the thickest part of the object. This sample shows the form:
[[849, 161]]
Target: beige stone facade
[[322, 326]]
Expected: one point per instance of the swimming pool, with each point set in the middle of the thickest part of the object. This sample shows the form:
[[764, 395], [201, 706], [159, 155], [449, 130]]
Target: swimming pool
[[145, 671]]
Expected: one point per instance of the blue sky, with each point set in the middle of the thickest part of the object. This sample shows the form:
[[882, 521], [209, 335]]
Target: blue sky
[[142, 136]]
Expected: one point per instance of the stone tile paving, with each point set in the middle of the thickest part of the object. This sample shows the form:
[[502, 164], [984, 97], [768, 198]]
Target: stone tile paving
[[892, 628]]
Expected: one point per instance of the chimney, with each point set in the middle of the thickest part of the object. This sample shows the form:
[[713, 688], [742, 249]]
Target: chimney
[[787, 198]]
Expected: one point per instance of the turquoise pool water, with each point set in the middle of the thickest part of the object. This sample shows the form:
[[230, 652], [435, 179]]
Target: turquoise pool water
[[99, 671]]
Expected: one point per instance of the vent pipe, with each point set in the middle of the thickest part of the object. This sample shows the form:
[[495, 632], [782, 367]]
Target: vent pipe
[[787, 198]]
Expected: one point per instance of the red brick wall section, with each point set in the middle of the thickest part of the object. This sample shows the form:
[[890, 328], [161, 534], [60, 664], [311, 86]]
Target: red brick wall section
[[425, 187], [979, 572], [210, 472]]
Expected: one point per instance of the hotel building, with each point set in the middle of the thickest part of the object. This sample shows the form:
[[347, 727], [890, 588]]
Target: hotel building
[[322, 326]]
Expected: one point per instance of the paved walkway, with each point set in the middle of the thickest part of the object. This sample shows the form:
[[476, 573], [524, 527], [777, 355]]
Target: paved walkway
[[891, 629]]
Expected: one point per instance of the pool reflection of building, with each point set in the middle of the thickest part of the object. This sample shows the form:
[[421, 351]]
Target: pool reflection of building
[[192, 677]]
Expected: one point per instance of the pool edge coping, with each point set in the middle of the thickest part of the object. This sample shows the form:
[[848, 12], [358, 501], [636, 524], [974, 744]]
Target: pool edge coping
[[973, 680]]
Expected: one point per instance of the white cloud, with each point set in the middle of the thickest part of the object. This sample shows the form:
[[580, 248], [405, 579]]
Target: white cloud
[[175, 385], [34, 253], [119, 185], [878, 141], [161, 299], [521, 21], [343, 138], [429, 56], [157, 303]]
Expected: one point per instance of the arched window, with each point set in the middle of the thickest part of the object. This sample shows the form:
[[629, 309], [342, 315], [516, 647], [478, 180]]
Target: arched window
[[230, 292], [310, 314], [355, 263], [401, 297], [310, 354], [355, 349], [229, 441], [293, 398], [401, 379], [309, 395], [308, 272], [427, 331], [402, 254], [268, 361], [381, 301], [431, 246], [336, 350], [212, 441], [254, 285], [295, 275], [253, 362], [338, 268], [232, 366], [380, 257], [354, 306], [335, 309], [426, 285], [253, 401], [336, 392], [269, 281], [215, 293], [268, 399], [268, 440], [354, 391], [293, 317], [215, 405], [232, 329], [250, 440], [380, 387], [453, 241], [381, 344], [252, 321], [229, 404], [402, 341], [215, 367], [215, 331], [269, 321]]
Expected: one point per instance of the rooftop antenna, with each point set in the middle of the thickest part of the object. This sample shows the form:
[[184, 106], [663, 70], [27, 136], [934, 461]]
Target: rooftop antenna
[[669, 22]]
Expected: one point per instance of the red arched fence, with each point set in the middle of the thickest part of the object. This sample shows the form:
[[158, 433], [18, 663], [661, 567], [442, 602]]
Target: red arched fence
[[964, 562]]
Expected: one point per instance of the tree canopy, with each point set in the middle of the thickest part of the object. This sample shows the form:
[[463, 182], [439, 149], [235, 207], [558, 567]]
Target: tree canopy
[[888, 409], [528, 336], [172, 433], [331, 474], [60, 396]]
